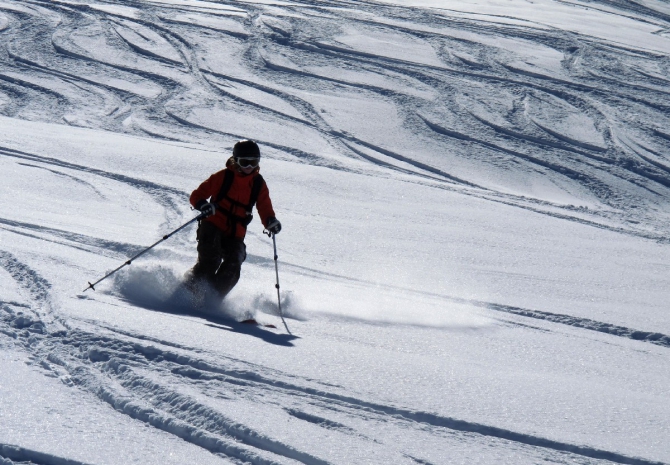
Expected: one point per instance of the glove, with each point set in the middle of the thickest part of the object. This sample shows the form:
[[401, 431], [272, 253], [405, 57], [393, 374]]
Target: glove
[[274, 226], [206, 208]]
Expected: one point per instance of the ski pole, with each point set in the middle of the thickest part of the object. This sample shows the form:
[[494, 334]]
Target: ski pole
[[130, 260], [281, 315]]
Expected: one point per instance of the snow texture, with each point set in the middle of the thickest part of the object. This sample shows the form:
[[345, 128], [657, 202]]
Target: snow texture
[[475, 254]]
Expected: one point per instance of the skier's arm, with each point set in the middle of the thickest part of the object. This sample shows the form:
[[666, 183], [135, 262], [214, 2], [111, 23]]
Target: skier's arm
[[207, 189], [264, 205]]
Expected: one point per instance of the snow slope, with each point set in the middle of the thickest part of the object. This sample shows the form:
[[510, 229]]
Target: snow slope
[[474, 255]]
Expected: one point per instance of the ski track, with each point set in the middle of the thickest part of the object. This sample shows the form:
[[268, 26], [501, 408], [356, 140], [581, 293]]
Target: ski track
[[653, 337], [660, 339], [84, 359], [169, 198], [160, 79], [40, 317], [115, 365], [15, 454], [169, 61], [97, 245]]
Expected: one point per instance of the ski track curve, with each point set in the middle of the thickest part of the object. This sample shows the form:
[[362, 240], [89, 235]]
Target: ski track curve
[[112, 367], [98, 245], [660, 339], [652, 337], [40, 316], [15, 454], [168, 197], [578, 84]]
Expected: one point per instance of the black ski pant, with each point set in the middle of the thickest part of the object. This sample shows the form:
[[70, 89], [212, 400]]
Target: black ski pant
[[220, 258]]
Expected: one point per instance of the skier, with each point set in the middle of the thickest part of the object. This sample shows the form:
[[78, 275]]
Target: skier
[[227, 198]]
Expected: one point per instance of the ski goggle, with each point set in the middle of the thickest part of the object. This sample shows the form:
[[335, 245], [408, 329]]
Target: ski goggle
[[245, 162]]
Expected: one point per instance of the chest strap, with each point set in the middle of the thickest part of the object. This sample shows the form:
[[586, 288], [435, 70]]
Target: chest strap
[[227, 183]]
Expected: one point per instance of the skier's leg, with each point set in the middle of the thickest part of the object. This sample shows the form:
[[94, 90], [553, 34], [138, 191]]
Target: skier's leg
[[209, 253], [234, 254]]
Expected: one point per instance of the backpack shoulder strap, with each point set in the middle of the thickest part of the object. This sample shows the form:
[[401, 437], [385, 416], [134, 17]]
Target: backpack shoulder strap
[[228, 176], [259, 182]]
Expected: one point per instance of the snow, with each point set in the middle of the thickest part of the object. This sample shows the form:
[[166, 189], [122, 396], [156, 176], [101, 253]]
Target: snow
[[45, 410], [599, 20], [474, 254]]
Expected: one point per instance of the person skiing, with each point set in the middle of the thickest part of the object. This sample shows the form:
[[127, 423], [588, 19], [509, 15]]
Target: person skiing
[[227, 198]]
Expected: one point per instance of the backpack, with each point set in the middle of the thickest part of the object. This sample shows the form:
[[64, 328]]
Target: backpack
[[229, 175]]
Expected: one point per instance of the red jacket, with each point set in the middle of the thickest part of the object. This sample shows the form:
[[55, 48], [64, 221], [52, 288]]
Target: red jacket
[[227, 212]]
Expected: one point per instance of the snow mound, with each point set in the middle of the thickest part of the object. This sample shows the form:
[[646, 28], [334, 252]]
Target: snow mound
[[291, 305], [160, 287]]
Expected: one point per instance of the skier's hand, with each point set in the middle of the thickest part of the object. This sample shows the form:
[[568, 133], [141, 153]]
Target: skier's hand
[[208, 209], [274, 226]]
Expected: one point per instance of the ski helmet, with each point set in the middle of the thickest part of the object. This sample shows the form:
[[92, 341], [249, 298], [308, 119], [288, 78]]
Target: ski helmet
[[246, 149]]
